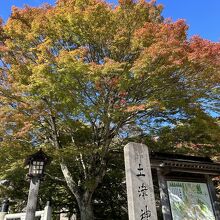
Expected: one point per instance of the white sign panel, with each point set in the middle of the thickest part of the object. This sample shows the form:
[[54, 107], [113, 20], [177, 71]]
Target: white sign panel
[[190, 201], [140, 192]]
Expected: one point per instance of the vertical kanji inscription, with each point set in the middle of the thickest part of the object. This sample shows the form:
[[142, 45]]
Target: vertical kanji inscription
[[141, 200]]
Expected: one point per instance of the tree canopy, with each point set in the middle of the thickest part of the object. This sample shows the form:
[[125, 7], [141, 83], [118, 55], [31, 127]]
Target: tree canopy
[[82, 77]]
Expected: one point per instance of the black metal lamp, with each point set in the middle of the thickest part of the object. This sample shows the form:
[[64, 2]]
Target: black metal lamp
[[37, 163]]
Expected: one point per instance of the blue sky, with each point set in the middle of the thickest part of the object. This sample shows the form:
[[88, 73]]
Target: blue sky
[[202, 16]]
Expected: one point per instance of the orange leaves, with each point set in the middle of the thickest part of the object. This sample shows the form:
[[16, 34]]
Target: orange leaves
[[3, 48], [145, 36], [204, 50], [22, 22], [163, 46], [168, 33], [67, 3], [205, 56], [1, 22], [135, 108], [143, 107], [176, 30], [27, 126], [126, 2], [109, 77], [1, 27], [28, 14], [14, 121], [92, 57]]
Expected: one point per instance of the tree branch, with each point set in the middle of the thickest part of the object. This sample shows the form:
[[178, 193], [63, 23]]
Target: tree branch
[[69, 180]]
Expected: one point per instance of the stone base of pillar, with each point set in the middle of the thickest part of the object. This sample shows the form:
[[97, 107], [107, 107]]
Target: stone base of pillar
[[2, 215]]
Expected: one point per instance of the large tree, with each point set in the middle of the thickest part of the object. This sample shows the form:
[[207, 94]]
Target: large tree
[[81, 76]]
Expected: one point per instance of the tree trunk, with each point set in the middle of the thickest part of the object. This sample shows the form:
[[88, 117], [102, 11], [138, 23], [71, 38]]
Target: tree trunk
[[83, 199], [86, 210]]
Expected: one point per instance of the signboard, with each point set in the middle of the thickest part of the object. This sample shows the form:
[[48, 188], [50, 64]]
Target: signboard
[[190, 201], [140, 192]]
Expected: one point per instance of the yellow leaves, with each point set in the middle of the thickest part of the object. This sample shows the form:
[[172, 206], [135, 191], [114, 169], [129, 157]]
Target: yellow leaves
[[61, 3], [21, 19], [72, 56], [12, 159], [107, 74], [89, 21], [129, 19], [72, 63], [111, 67], [43, 51], [22, 29], [41, 81], [89, 56], [45, 45]]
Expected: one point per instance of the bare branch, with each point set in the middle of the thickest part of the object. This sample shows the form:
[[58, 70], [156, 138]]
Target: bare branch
[[55, 178]]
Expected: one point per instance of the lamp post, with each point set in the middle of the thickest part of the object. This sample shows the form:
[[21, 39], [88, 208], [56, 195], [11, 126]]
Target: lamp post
[[37, 163]]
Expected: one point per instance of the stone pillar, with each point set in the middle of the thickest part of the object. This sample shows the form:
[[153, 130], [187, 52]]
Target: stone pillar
[[47, 212], [140, 192], [32, 198], [63, 216]]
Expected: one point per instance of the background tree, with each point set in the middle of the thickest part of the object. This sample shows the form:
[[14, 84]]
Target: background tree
[[198, 136], [82, 76]]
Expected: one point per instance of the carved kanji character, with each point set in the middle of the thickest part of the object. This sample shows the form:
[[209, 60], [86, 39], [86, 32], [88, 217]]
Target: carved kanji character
[[140, 169], [143, 191]]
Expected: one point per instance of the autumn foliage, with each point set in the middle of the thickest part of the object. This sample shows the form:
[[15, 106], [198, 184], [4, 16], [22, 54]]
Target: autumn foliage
[[89, 69]]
